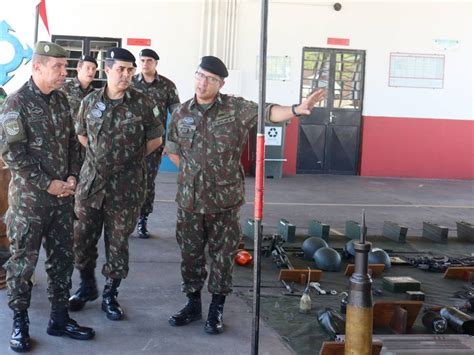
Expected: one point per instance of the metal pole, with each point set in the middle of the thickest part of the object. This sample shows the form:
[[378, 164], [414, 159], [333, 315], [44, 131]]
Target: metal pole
[[259, 177], [36, 25]]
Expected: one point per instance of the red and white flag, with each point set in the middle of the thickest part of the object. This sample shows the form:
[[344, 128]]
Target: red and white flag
[[43, 15]]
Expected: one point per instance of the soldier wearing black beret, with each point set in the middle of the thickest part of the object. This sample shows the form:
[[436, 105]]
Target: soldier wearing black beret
[[119, 126], [80, 86], [206, 137], [39, 146], [163, 92]]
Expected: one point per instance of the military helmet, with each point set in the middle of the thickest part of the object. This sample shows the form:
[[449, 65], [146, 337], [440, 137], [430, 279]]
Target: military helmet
[[310, 245], [348, 250], [327, 259], [379, 256]]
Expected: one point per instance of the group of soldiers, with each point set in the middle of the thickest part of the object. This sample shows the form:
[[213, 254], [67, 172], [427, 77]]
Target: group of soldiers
[[84, 162]]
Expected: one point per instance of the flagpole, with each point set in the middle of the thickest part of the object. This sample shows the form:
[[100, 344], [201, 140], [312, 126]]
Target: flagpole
[[259, 177], [36, 24]]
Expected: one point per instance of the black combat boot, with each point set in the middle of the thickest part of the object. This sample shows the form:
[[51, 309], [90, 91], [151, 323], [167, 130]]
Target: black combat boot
[[142, 230], [60, 324], [215, 322], [190, 312], [109, 302], [87, 292], [20, 339]]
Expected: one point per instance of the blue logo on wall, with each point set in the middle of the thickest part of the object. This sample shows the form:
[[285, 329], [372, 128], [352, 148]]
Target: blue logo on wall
[[20, 53]]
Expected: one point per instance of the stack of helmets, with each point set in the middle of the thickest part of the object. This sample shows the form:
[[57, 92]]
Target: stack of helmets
[[311, 245]]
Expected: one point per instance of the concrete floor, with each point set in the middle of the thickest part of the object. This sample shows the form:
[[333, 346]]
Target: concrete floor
[[152, 290]]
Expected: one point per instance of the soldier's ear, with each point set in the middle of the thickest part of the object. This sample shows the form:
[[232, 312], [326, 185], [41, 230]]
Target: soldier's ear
[[222, 84], [36, 67]]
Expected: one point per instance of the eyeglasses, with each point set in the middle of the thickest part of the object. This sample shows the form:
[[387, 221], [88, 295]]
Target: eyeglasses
[[210, 79]]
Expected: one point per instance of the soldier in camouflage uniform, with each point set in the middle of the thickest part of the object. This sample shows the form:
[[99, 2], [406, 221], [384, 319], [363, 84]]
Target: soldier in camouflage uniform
[[163, 92], [79, 87], [38, 144], [119, 126], [206, 137]]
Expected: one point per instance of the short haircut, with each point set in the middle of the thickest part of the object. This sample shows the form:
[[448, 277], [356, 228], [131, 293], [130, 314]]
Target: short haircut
[[109, 62], [40, 59]]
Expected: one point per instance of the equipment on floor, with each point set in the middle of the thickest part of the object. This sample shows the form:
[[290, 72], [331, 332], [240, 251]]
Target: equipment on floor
[[327, 259], [243, 257], [318, 229], [461, 322], [400, 284], [379, 256], [434, 322], [359, 312], [310, 245], [286, 230]]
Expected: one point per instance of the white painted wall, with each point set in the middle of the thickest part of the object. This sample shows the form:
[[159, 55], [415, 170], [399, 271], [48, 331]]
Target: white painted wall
[[379, 27]]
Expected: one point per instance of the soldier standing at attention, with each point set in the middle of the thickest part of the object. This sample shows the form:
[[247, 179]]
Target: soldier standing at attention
[[164, 94], [119, 126], [206, 137], [79, 87], [39, 146]]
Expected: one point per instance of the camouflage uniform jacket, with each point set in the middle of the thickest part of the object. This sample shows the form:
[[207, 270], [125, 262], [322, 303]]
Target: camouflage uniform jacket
[[162, 91], [117, 134], [38, 144], [209, 144], [75, 94]]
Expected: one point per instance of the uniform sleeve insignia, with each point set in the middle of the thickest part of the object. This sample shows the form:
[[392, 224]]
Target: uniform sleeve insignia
[[12, 126], [156, 111]]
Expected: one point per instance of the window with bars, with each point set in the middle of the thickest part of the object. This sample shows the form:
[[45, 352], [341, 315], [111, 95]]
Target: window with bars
[[340, 72], [93, 46]]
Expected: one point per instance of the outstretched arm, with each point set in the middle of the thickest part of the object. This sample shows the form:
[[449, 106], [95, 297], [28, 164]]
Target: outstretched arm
[[284, 113]]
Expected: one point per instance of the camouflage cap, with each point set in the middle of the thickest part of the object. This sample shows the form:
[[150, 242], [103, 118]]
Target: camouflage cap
[[50, 49]]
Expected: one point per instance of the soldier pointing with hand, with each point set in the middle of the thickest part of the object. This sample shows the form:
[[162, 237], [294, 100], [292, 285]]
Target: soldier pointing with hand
[[206, 137]]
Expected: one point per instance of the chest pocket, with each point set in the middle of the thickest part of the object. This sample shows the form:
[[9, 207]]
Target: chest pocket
[[133, 131], [186, 135], [226, 134], [39, 130], [94, 125]]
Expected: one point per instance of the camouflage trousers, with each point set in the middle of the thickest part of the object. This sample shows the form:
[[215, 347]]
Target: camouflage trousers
[[153, 161], [222, 233], [118, 222], [27, 227]]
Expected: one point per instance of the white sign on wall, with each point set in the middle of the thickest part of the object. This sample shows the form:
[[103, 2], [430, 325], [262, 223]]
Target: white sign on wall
[[273, 135]]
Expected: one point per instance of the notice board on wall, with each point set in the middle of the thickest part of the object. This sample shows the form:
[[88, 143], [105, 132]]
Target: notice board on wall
[[416, 70]]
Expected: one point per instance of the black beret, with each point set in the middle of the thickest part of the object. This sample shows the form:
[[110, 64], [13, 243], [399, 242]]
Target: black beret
[[117, 53], [50, 49], [214, 65], [88, 58], [149, 53]]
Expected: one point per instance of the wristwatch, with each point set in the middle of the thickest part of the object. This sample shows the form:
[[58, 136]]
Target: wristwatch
[[294, 111]]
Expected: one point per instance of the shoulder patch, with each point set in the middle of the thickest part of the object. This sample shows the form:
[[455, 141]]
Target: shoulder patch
[[13, 127]]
